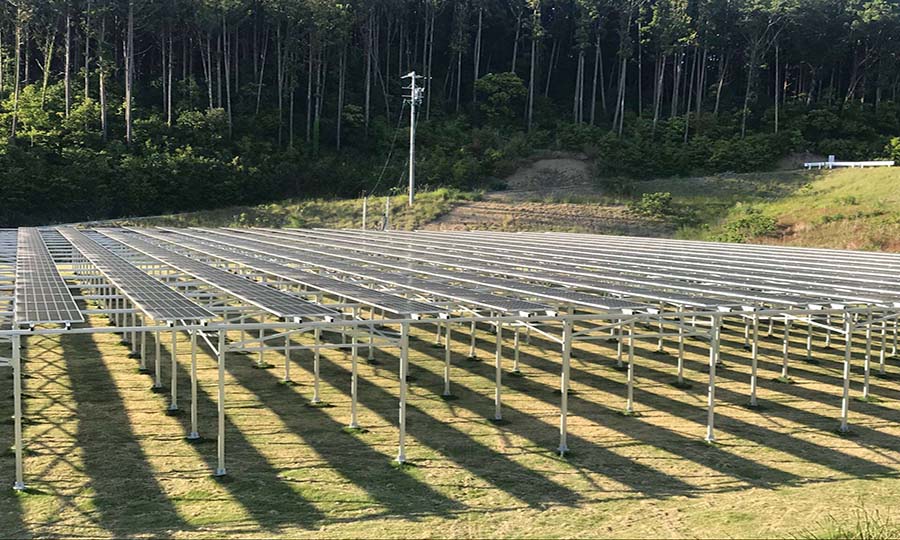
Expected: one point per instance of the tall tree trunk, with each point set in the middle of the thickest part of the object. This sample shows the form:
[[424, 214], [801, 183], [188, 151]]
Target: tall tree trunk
[[690, 91], [342, 70], [777, 60], [723, 67], [368, 82], [87, 51], [515, 54], [129, 73], [227, 54], [551, 65], [48, 61], [171, 68], [101, 62], [658, 91], [309, 90], [261, 69], [530, 115], [68, 66], [17, 82], [594, 79], [477, 60]]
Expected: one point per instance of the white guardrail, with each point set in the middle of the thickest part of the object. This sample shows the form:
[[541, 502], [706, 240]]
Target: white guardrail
[[831, 164]]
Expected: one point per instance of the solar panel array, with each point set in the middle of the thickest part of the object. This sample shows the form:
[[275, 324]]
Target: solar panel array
[[269, 299], [153, 297], [41, 294], [355, 293], [398, 275]]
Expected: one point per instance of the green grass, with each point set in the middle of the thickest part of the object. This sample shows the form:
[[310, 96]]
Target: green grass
[[104, 461], [334, 213], [847, 208]]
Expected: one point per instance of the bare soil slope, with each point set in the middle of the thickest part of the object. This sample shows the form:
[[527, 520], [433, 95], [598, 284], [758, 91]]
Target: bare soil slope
[[540, 195]]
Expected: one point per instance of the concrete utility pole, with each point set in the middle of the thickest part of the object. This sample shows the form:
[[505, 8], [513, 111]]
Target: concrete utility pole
[[416, 93]]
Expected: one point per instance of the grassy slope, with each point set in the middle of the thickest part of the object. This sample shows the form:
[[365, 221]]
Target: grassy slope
[[317, 213], [849, 208]]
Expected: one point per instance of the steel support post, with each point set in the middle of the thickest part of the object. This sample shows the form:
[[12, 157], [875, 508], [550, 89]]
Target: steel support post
[[157, 376], [809, 337], [194, 435], [754, 360], [437, 333], [785, 348], [19, 484], [472, 342], [629, 404], [220, 440], [867, 359], [287, 357], [516, 350], [173, 406], [619, 344], [564, 387], [447, 360], [845, 399], [883, 346], [260, 358], [317, 337], [498, 372], [143, 366], [354, 378], [404, 359], [714, 331]]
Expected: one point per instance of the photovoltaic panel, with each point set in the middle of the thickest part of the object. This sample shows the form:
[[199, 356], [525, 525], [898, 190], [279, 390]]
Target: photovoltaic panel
[[151, 296], [401, 276], [41, 294], [267, 298]]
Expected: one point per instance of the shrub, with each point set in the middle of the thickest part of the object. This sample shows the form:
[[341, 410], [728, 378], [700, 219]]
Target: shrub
[[751, 223], [655, 205]]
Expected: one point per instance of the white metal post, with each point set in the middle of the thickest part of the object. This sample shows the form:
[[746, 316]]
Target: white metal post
[[287, 357], [260, 359], [713, 359], [414, 98], [564, 387], [220, 469], [680, 349], [754, 360], [516, 351], [498, 373], [365, 211], [867, 359], [317, 335], [157, 378], [472, 342], [447, 337], [143, 366], [883, 345], [845, 399], [785, 349], [629, 404], [19, 484], [173, 406], [194, 435], [404, 359], [354, 377]]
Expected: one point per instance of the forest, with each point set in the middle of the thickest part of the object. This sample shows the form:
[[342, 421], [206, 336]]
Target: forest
[[132, 107]]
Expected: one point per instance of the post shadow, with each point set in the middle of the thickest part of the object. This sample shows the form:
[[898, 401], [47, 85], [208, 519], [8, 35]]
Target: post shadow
[[11, 517], [533, 489], [128, 498], [396, 491], [254, 482], [788, 444]]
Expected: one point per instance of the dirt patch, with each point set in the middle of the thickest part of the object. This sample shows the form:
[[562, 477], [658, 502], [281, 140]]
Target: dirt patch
[[542, 195], [523, 216]]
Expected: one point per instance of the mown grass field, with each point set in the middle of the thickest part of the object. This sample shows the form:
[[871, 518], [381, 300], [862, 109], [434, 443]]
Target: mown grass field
[[103, 460]]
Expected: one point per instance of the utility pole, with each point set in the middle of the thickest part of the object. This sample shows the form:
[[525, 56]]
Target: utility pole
[[365, 209], [416, 93]]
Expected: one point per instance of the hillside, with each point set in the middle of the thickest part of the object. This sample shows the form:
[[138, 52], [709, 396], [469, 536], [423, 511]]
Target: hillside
[[851, 208]]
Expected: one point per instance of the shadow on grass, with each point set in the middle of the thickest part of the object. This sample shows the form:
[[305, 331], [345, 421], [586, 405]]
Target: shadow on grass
[[397, 492], [664, 439], [507, 475], [253, 482], [128, 499], [11, 518], [838, 461]]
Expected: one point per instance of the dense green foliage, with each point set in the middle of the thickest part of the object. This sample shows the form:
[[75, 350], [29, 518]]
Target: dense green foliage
[[131, 107]]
